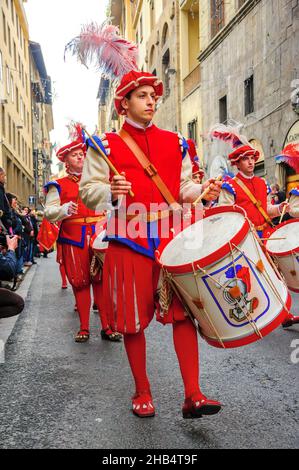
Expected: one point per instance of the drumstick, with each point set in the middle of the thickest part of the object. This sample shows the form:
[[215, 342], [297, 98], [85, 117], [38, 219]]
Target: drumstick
[[283, 211], [219, 178], [278, 238], [100, 151]]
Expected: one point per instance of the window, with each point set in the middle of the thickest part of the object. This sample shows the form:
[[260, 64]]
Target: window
[[15, 54], [223, 109], [12, 89], [1, 67], [217, 16], [9, 39], [9, 129], [4, 27], [141, 28], [165, 34], [18, 26], [192, 130], [12, 11], [3, 119], [7, 80], [19, 143], [249, 95], [28, 121], [165, 69], [14, 135], [17, 98], [21, 108]]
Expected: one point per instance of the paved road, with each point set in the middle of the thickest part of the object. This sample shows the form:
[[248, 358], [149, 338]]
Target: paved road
[[55, 393]]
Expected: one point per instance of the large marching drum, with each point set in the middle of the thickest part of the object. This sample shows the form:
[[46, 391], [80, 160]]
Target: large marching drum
[[225, 280], [283, 245]]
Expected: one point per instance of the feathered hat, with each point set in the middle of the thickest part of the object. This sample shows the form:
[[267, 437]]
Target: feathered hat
[[77, 141], [290, 156], [196, 168], [114, 56], [238, 142]]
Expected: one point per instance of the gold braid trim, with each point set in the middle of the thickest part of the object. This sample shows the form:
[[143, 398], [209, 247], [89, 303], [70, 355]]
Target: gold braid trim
[[165, 294], [97, 263]]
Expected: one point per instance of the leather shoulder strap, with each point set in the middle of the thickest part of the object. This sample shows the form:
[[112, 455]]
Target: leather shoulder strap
[[149, 168], [253, 200]]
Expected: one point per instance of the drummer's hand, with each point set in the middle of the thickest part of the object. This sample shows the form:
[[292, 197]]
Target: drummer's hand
[[282, 205], [119, 185], [72, 208], [214, 189]]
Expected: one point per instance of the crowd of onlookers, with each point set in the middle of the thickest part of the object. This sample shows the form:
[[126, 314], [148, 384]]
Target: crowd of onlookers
[[18, 246]]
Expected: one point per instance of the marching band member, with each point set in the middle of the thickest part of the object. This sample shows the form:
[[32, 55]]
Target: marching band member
[[131, 274], [77, 225], [249, 191]]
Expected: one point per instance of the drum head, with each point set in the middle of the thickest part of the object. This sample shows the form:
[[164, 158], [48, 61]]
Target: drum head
[[289, 234], [204, 238]]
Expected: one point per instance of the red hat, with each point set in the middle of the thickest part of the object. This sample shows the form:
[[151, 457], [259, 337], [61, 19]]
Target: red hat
[[133, 80], [64, 151], [243, 151], [77, 138]]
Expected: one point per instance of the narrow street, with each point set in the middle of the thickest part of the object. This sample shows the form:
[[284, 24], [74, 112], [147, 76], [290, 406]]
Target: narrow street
[[55, 393]]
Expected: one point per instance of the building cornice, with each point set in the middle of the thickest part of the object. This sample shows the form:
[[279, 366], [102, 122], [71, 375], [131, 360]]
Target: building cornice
[[240, 15], [22, 17]]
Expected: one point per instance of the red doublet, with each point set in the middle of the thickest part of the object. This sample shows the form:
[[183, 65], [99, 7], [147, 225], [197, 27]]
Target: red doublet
[[131, 274], [163, 150], [258, 187]]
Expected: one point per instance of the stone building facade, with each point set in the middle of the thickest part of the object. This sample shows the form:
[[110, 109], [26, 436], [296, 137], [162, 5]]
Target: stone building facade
[[15, 100], [249, 63]]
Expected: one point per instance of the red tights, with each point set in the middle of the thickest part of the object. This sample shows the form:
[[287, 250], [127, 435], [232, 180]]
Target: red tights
[[83, 301], [63, 275], [186, 347]]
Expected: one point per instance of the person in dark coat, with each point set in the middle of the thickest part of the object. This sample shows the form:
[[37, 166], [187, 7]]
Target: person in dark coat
[[5, 212]]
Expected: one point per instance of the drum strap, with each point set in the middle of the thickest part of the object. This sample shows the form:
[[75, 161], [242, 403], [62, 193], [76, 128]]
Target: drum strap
[[253, 200], [149, 168]]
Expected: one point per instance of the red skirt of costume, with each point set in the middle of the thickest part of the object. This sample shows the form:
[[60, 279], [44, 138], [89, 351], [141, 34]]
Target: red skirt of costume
[[130, 283], [77, 262]]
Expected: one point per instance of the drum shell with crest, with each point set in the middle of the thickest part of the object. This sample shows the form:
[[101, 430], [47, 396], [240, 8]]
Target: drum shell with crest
[[224, 279], [283, 246]]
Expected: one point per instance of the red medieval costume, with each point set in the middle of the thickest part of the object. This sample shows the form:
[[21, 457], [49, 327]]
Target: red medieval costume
[[74, 236]]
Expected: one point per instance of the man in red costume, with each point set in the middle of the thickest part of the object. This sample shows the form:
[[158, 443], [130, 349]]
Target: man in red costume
[[251, 193], [131, 274], [77, 225]]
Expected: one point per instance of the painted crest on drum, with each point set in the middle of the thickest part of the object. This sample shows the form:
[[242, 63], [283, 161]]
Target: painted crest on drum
[[242, 289]]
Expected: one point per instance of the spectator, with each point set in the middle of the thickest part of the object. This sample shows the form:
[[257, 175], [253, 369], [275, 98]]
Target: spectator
[[18, 223], [34, 223], [5, 214], [28, 237], [8, 260], [10, 303], [277, 197]]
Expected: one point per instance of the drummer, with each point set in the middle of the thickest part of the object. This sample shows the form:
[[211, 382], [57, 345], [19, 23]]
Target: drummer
[[294, 202], [77, 224], [250, 192], [135, 300]]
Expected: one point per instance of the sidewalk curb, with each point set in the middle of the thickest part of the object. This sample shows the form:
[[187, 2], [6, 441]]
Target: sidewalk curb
[[7, 324]]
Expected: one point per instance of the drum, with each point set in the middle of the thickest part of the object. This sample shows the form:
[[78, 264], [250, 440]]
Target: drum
[[98, 247], [283, 245], [219, 270]]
